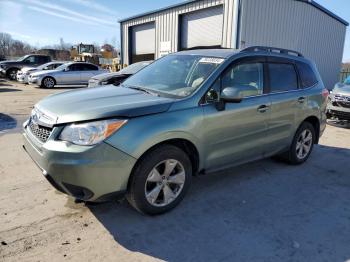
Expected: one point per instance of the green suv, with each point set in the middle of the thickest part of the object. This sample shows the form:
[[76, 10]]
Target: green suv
[[188, 113]]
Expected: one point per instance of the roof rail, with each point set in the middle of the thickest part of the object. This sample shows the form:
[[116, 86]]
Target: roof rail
[[271, 50]]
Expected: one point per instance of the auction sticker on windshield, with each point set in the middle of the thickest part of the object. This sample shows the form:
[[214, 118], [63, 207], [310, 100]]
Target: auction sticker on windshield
[[211, 60]]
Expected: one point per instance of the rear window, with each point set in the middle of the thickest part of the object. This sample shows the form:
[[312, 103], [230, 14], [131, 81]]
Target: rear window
[[282, 77], [307, 75]]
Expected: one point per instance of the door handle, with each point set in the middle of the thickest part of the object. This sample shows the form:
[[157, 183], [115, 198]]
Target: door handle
[[301, 99], [263, 108]]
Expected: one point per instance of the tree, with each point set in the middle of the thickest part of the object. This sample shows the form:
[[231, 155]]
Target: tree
[[5, 43]]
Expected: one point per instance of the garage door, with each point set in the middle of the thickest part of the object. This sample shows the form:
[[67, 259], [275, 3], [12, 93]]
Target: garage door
[[143, 42], [202, 28]]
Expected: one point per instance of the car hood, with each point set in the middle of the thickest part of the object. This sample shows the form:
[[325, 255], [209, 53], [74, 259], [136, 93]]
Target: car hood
[[97, 103], [43, 72], [27, 69], [9, 62], [341, 89], [106, 76]]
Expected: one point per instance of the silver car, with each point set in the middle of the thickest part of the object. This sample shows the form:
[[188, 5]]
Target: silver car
[[116, 78], [23, 74], [339, 101], [73, 73]]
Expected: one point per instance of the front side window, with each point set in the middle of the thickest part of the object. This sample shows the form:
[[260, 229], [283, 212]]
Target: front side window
[[30, 59], [176, 75], [248, 77], [282, 77]]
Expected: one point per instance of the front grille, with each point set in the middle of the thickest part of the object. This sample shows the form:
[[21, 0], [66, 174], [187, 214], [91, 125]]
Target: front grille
[[343, 101], [340, 114], [40, 132]]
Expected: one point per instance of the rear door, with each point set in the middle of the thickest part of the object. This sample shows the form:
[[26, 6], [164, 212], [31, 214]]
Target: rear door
[[88, 72], [288, 103]]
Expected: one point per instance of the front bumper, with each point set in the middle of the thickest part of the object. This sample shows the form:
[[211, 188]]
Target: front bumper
[[34, 81], [2, 71], [86, 173], [338, 110], [22, 78], [93, 83]]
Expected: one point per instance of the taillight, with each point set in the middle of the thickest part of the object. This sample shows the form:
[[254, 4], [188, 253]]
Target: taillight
[[325, 93]]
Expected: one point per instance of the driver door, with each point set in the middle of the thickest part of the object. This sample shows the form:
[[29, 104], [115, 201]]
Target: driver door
[[237, 133], [73, 75]]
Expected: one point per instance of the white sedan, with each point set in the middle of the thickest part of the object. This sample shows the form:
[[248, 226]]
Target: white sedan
[[73, 73], [23, 74]]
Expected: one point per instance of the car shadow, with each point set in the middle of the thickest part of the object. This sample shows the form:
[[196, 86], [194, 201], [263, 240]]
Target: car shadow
[[3, 90], [7, 122], [4, 82], [70, 87], [337, 123], [263, 211]]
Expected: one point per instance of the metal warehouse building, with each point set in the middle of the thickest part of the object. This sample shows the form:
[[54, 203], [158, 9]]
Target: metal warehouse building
[[301, 25]]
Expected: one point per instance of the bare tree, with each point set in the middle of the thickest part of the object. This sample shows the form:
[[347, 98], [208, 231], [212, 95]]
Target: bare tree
[[5, 43]]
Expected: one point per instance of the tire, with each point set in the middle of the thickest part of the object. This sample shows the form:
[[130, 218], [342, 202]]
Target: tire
[[302, 142], [12, 73], [148, 190], [48, 82]]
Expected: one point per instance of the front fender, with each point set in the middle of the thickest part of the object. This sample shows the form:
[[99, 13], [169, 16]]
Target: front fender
[[142, 133]]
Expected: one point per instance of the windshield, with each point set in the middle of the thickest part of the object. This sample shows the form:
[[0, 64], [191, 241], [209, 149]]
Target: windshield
[[22, 58], [61, 67], [347, 81], [43, 66], [134, 68], [177, 75]]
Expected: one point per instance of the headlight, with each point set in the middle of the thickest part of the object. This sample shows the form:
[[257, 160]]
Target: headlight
[[90, 133]]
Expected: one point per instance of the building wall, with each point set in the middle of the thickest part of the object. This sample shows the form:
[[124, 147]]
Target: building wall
[[298, 26], [167, 25]]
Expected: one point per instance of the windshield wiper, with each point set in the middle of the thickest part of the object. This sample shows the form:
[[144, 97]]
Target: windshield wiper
[[143, 90]]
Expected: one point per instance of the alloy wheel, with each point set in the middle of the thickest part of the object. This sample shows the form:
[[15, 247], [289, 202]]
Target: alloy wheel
[[165, 182], [304, 144], [49, 82], [13, 74]]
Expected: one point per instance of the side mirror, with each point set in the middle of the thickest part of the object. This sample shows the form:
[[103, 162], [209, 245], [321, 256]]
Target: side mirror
[[231, 95], [66, 69]]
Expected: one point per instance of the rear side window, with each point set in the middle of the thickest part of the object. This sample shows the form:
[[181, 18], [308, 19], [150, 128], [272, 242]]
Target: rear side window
[[89, 67], [42, 59], [282, 77], [307, 75]]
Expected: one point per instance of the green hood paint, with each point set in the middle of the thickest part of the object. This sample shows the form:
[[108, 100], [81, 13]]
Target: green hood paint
[[105, 102]]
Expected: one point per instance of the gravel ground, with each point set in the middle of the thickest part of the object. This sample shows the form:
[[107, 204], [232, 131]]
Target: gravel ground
[[264, 211]]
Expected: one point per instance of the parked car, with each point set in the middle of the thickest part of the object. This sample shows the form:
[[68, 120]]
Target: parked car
[[10, 68], [73, 73], [23, 74], [190, 112], [116, 78], [339, 101]]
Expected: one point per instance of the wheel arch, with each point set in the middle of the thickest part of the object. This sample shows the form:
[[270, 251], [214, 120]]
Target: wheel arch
[[315, 122], [184, 144], [49, 76], [11, 68]]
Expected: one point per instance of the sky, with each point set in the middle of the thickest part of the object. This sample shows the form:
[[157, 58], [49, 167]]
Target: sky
[[44, 22]]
